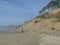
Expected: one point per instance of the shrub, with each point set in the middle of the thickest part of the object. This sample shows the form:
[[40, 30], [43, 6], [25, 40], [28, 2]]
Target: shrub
[[58, 16], [38, 17], [43, 16], [53, 28], [36, 21]]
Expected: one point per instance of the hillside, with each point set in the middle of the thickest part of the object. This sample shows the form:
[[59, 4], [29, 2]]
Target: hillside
[[43, 25]]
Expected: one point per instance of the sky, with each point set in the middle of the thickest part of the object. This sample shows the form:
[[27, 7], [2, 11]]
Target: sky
[[16, 12]]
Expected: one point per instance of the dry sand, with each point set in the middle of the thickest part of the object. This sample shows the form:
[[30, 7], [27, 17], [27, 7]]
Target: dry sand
[[18, 39], [50, 40], [28, 39]]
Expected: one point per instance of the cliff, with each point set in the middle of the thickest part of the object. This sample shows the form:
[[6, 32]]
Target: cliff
[[48, 25]]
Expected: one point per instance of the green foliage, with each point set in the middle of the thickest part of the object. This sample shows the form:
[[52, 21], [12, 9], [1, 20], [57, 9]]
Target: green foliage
[[43, 16], [58, 20], [38, 17], [58, 16], [53, 4]]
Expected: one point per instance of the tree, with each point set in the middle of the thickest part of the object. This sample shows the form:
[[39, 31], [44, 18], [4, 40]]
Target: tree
[[52, 5], [58, 2], [44, 9], [40, 12]]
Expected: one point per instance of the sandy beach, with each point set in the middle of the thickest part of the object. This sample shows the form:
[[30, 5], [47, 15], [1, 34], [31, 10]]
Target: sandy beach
[[18, 39], [28, 39]]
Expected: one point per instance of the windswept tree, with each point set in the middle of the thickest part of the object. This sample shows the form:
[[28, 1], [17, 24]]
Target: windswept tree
[[52, 5], [44, 9], [48, 7], [40, 12], [58, 2]]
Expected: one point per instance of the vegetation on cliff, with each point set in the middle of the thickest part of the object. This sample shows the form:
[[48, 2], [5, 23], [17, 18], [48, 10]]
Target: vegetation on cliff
[[52, 5]]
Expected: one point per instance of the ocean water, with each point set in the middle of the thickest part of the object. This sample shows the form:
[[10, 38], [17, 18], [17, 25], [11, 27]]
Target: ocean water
[[5, 28]]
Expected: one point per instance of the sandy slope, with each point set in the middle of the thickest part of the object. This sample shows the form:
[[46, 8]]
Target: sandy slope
[[42, 24]]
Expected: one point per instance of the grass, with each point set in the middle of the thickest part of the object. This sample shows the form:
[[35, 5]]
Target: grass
[[58, 16], [51, 16]]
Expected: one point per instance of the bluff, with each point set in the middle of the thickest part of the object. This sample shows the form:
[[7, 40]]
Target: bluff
[[47, 24]]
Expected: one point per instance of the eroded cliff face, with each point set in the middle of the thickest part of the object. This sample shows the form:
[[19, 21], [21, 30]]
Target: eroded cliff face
[[45, 25]]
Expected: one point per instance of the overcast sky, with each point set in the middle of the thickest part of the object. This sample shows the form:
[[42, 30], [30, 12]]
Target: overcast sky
[[15, 12]]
